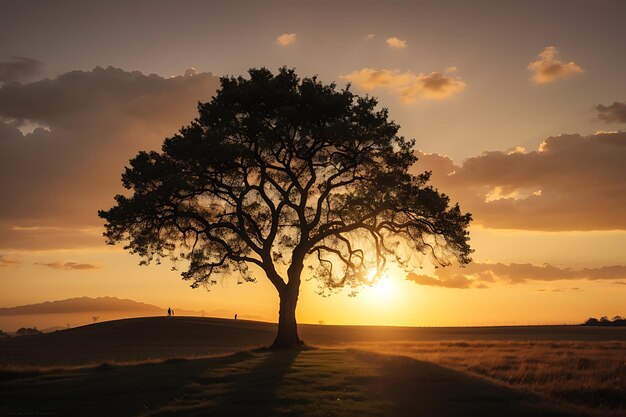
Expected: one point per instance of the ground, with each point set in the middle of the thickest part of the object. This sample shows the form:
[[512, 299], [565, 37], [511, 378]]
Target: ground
[[101, 369], [292, 383]]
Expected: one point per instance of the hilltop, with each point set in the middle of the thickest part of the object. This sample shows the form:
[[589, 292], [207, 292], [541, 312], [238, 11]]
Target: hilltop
[[73, 312], [145, 338]]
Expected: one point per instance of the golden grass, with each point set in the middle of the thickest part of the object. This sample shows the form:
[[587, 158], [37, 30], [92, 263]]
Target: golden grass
[[588, 375]]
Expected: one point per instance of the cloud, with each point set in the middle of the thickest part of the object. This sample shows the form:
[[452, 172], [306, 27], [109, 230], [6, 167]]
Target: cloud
[[458, 281], [68, 266], [548, 69], [18, 68], [571, 182], [477, 275], [286, 39], [407, 85], [613, 113], [6, 262], [369, 36], [97, 121], [432, 86], [396, 43]]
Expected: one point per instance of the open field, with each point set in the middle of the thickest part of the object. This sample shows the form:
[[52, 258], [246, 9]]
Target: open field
[[589, 375], [291, 383], [150, 338], [441, 371]]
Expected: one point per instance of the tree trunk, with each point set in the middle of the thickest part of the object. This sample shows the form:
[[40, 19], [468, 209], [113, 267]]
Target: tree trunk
[[287, 336]]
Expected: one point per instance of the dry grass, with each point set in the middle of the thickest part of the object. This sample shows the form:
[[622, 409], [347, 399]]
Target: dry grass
[[588, 375]]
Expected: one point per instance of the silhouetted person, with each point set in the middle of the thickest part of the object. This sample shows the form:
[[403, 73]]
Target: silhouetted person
[[169, 312], [235, 317], [172, 312]]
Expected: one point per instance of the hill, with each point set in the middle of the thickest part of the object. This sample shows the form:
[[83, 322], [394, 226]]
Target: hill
[[145, 338], [79, 311], [576, 365], [316, 382]]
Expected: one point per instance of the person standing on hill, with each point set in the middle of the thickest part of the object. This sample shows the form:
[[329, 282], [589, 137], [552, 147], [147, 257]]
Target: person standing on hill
[[169, 312]]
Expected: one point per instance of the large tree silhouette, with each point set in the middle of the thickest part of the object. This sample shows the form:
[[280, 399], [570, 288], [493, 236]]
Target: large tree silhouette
[[293, 176]]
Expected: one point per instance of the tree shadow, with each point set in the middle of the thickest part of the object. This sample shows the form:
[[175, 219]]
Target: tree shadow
[[254, 391], [417, 388], [105, 390]]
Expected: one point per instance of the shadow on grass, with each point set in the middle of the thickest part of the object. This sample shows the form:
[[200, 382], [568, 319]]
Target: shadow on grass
[[105, 390], [316, 383], [417, 388], [255, 392]]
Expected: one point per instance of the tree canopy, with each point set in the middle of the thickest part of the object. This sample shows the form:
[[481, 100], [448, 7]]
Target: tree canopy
[[294, 176]]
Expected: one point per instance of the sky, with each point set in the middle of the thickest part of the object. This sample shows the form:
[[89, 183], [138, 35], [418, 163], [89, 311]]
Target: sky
[[518, 108]]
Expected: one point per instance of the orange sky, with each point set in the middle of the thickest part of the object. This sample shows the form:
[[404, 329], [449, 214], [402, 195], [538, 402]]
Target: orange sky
[[517, 110]]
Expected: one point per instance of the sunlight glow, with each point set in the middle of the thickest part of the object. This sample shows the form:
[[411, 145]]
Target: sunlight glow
[[384, 288]]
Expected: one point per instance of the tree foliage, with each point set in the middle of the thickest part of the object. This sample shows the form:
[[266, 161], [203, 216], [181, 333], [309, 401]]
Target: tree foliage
[[276, 172]]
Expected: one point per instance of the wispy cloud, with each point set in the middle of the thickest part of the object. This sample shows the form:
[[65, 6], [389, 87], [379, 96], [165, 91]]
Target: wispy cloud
[[396, 43], [407, 85], [369, 36], [458, 281], [286, 39], [547, 68], [478, 275], [68, 266], [6, 262]]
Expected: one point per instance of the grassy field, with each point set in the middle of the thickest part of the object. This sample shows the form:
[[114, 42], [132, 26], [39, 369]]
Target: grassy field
[[289, 383], [588, 375], [170, 366]]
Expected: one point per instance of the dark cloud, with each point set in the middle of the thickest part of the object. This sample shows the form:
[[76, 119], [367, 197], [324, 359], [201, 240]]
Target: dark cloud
[[571, 182], [58, 177], [475, 275], [613, 113], [18, 68], [68, 266]]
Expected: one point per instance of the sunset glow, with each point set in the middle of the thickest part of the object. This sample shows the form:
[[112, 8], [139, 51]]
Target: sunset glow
[[521, 121]]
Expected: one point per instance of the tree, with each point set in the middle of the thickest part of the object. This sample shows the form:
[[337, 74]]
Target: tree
[[95, 318], [27, 331], [294, 177]]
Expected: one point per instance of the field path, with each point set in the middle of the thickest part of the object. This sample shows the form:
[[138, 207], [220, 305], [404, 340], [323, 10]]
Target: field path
[[292, 383]]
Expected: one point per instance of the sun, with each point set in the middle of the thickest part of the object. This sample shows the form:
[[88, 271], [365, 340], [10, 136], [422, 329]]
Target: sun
[[384, 289]]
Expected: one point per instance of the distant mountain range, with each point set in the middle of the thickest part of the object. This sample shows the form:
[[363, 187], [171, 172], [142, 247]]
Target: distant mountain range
[[62, 314], [88, 304]]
